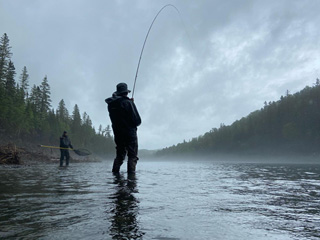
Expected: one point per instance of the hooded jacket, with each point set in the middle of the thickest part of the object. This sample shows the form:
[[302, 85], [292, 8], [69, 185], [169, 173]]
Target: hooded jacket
[[123, 114], [65, 142]]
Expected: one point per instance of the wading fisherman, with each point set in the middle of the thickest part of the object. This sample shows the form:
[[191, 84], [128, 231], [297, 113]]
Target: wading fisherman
[[65, 143], [125, 119]]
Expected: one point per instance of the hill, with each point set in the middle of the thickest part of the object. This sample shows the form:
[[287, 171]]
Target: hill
[[288, 126]]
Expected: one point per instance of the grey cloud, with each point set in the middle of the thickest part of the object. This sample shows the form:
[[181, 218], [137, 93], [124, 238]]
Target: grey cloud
[[221, 63]]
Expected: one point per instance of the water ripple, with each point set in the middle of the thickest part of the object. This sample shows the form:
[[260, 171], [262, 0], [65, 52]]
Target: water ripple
[[163, 200]]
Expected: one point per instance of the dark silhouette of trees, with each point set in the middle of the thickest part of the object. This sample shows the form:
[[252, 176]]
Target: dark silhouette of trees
[[29, 117], [288, 126], [5, 57], [24, 81], [45, 102]]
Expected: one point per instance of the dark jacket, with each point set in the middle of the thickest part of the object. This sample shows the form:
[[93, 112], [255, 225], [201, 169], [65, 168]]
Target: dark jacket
[[65, 142], [123, 114]]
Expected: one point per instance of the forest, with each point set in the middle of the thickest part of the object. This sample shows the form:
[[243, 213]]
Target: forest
[[26, 113], [289, 126]]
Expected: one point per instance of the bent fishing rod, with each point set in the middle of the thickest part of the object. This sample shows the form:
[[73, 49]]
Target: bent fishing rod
[[145, 40]]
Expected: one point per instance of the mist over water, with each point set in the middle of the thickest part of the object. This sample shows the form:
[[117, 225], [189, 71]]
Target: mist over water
[[163, 200]]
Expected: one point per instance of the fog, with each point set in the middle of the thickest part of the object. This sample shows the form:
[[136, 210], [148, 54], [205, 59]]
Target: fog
[[221, 62]]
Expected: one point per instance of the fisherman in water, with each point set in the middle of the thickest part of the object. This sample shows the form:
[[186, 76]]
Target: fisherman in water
[[125, 119], [65, 143]]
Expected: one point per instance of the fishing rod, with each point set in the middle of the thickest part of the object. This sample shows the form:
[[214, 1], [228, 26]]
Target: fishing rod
[[145, 40], [80, 152]]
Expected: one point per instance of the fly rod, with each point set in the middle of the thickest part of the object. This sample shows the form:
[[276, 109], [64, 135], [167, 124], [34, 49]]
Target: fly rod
[[145, 40]]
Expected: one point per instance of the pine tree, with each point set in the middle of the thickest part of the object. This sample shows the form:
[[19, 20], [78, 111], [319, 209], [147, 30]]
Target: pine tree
[[11, 103], [10, 84], [45, 96], [29, 117], [5, 56], [108, 132], [76, 118], [62, 112], [100, 130], [35, 98], [75, 121], [24, 81], [86, 120]]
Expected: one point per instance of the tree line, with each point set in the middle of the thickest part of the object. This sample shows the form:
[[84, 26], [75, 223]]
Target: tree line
[[290, 125], [27, 114]]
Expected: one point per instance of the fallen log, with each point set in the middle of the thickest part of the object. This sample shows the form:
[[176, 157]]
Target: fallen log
[[9, 154]]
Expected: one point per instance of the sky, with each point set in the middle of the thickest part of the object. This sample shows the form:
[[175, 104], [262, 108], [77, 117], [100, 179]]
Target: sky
[[215, 62]]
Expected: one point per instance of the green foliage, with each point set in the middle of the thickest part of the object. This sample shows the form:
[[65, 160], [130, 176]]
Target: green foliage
[[10, 84], [35, 99], [45, 101], [24, 81], [5, 56], [32, 119], [62, 112], [290, 125]]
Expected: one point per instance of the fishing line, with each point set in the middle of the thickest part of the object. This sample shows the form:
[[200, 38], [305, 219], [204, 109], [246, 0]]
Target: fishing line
[[145, 40]]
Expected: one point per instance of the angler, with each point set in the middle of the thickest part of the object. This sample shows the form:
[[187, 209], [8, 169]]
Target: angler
[[125, 120], [65, 143]]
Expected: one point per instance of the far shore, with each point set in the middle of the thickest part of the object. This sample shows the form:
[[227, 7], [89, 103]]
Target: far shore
[[13, 154]]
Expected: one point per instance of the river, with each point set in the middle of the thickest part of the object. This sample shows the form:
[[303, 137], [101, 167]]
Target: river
[[164, 200]]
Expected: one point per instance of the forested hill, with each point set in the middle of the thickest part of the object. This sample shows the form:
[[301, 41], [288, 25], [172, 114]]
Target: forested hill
[[26, 114], [288, 126]]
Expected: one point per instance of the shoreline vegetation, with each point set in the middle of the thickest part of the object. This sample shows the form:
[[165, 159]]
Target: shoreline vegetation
[[11, 154], [287, 127], [28, 119]]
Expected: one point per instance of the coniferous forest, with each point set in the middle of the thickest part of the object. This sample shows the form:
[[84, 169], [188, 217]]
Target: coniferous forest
[[26, 113], [289, 126]]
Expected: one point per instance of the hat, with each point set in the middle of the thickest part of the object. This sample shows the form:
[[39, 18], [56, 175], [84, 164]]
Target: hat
[[122, 88]]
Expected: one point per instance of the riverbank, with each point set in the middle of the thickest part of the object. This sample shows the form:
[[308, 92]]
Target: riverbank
[[29, 154]]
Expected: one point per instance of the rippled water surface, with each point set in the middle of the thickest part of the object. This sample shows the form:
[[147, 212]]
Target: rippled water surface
[[163, 200]]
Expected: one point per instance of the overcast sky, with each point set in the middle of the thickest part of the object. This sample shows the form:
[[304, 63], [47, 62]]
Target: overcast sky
[[216, 63]]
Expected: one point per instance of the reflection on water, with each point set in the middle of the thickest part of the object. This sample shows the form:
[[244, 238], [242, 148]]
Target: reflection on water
[[287, 194], [164, 200], [124, 224]]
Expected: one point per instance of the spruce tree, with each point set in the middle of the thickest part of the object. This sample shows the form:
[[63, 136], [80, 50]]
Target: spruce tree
[[76, 118], [5, 56], [86, 120], [100, 130], [108, 132], [45, 96], [62, 112], [35, 98], [76, 121], [10, 84], [24, 81]]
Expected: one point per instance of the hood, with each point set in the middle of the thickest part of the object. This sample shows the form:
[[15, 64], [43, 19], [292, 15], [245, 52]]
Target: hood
[[112, 99]]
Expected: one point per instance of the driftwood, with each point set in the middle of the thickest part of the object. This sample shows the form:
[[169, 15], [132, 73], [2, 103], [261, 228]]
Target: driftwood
[[9, 154]]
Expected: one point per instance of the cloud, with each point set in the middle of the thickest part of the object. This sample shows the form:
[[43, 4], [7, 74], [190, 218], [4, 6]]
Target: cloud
[[221, 62]]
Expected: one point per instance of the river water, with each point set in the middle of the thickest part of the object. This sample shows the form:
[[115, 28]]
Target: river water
[[163, 200]]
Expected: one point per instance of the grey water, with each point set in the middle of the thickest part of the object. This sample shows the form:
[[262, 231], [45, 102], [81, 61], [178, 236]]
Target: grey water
[[163, 200]]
